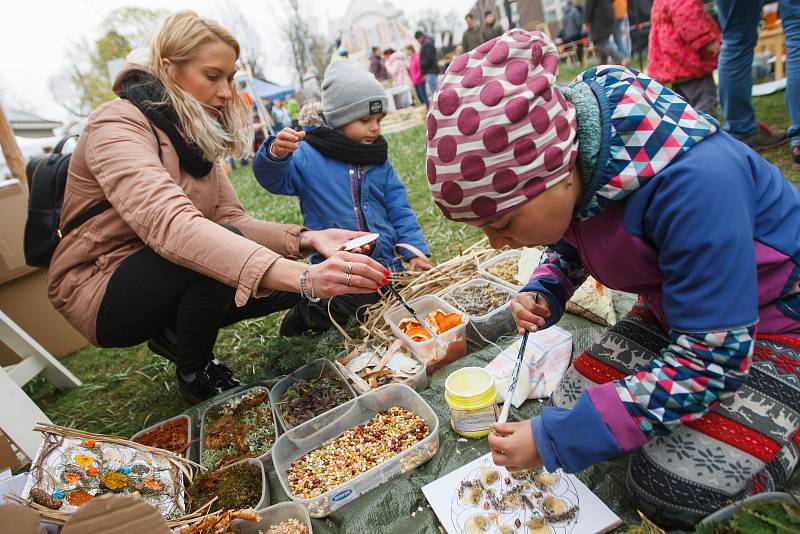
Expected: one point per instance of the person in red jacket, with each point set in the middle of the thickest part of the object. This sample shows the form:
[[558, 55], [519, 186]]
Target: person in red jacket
[[683, 51]]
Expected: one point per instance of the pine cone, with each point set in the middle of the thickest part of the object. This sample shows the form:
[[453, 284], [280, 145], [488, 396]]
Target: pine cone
[[45, 499]]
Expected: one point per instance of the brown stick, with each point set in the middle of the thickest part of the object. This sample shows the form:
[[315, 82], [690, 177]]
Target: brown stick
[[11, 151]]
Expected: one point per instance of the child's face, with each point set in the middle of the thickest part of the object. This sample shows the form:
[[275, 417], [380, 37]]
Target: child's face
[[364, 130], [540, 221]]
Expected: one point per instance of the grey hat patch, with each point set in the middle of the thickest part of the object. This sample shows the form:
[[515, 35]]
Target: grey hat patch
[[375, 106]]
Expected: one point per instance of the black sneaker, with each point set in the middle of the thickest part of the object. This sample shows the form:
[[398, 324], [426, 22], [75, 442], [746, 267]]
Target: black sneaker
[[208, 382], [165, 344], [293, 324], [796, 157], [763, 139]]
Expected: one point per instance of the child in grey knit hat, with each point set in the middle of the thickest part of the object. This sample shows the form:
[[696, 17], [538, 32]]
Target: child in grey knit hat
[[342, 175]]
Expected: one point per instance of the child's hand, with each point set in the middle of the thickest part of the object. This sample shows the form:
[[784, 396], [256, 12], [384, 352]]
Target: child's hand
[[529, 311], [285, 142], [418, 263], [513, 447]]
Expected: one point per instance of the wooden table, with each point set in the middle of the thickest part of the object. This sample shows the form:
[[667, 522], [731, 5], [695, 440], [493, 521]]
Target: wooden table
[[773, 40]]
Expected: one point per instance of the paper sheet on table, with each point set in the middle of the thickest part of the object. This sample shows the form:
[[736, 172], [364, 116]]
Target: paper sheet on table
[[547, 356], [593, 515]]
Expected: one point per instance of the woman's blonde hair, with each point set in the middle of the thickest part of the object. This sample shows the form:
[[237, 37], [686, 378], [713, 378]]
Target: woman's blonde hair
[[178, 39]]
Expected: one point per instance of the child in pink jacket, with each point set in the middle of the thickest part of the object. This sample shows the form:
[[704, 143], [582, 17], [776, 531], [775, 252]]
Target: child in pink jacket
[[683, 51], [417, 78]]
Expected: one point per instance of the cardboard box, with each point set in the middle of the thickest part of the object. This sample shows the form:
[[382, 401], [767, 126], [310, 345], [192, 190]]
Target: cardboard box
[[25, 300], [13, 214]]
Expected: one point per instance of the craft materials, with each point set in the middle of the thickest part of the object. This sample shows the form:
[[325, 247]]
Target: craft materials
[[477, 299], [472, 398], [421, 324], [238, 428], [482, 497], [506, 270], [355, 451], [236, 487], [437, 322], [221, 523], [306, 399], [289, 526], [547, 356], [361, 241], [73, 467], [512, 385], [172, 435], [366, 368]]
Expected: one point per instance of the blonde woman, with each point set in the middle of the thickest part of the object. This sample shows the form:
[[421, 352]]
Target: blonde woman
[[176, 258]]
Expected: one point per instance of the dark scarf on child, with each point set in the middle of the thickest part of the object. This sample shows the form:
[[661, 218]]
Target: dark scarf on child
[[145, 92], [333, 144]]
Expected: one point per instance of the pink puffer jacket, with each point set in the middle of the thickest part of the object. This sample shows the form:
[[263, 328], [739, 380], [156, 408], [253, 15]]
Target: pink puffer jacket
[[680, 29]]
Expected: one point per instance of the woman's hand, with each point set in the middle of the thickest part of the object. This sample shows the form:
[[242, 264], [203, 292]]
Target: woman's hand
[[285, 142], [417, 263], [332, 240], [513, 447], [529, 311], [330, 278]]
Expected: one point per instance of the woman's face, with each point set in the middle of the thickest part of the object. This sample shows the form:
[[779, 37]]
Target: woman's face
[[542, 220], [208, 76]]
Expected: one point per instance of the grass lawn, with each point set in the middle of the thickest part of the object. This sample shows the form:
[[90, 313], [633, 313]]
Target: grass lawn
[[125, 390]]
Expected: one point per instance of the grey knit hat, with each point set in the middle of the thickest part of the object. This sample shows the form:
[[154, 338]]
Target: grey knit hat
[[350, 92]]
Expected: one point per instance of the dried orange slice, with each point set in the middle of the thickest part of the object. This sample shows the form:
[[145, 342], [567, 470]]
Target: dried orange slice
[[446, 321]]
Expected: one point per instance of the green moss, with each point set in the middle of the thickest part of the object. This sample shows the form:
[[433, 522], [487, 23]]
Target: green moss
[[237, 487]]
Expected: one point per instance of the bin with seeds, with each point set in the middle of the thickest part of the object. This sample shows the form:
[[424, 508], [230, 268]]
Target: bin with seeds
[[238, 426], [284, 517], [488, 305], [308, 392], [503, 269], [360, 445]]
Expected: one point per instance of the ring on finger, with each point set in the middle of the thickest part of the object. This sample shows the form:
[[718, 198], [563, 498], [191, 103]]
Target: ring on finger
[[349, 276], [349, 269]]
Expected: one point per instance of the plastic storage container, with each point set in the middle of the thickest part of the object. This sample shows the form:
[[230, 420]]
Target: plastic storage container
[[509, 254], [472, 398], [274, 515], [492, 325], [264, 457], [264, 502], [310, 435], [429, 350], [418, 382], [315, 369], [189, 432]]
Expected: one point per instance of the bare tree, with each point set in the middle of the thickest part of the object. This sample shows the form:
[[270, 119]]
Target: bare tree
[[250, 51], [296, 31]]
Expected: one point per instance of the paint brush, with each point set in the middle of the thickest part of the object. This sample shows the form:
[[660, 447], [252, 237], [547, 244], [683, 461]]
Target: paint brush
[[416, 316], [515, 374]]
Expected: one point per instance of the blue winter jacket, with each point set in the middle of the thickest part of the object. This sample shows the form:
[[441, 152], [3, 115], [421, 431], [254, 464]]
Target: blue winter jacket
[[371, 199]]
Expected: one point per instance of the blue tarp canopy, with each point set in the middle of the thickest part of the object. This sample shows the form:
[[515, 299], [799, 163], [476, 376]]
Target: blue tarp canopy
[[272, 90]]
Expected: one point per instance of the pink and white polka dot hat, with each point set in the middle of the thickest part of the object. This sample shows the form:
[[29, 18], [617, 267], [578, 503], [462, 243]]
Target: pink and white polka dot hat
[[499, 131]]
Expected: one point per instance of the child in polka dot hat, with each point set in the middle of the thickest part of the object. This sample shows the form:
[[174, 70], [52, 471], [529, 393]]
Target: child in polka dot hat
[[620, 178]]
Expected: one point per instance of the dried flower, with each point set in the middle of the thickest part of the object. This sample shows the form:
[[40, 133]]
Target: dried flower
[[114, 481], [92, 471], [79, 497], [89, 443], [84, 461], [153, 484]]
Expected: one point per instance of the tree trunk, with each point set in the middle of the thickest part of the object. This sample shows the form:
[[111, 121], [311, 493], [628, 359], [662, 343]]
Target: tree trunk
[[11, 152]]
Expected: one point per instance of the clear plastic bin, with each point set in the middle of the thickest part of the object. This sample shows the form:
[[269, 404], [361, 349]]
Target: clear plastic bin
[[310, 435], [509, 254], [492, 325], [224, 397], [189, 431], [418, 382], [274, 515], [315, 369], [429, 350], [264, 502]]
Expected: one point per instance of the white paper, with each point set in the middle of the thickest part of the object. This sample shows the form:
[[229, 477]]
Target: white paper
[[442, 494]]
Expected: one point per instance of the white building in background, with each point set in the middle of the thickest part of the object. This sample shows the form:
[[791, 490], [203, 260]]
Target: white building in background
[[368, 23]]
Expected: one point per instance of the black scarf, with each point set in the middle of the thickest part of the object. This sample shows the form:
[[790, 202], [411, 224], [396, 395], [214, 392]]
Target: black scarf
[[334, 145], [145, 92]]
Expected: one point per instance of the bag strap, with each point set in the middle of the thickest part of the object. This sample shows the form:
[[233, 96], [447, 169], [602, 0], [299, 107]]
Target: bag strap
[[101, 206]]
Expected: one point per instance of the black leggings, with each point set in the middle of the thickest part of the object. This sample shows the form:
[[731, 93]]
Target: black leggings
[[148, 293]]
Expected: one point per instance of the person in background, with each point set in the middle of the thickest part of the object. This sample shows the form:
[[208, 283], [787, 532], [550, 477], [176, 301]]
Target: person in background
[[571, 32], [415, 73], [639, 19], [396, 66], [280, 115], [598, 19], [472, 35], [428, 64], [739, 22], [293, 107], [622, 29], [618, 177], [343, 177], [491, 28], [376, 66], [683, 51]]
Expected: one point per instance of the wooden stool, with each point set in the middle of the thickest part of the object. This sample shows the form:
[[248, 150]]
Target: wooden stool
[[773, 40]]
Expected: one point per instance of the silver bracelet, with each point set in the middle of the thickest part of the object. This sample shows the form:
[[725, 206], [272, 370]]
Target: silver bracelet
[[304, 289]]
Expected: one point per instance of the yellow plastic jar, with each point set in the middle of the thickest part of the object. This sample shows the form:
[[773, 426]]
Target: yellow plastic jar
[[472, 399]]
